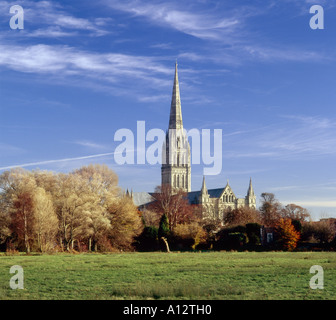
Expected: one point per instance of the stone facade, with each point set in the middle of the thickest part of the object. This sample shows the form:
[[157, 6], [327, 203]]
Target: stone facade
[[215, 202]]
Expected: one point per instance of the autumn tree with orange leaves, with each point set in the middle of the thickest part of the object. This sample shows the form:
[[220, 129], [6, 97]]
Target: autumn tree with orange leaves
[[287, 236]]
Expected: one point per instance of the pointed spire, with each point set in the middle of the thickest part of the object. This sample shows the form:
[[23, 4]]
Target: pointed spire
[[175, 120], [204, 189], [250, 191]]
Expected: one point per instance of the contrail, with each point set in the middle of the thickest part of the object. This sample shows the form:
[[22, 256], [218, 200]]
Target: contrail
[[55, 161]]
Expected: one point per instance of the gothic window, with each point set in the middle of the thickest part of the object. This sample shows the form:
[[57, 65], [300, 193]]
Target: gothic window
[[174, 181], [183, 181], [178, 181]]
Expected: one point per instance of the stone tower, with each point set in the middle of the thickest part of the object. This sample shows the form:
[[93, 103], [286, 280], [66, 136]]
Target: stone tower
[[250, 199], [204, 195], [175, 170]]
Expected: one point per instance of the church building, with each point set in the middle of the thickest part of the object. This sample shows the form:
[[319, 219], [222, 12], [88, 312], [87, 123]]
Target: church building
[[176, 169]]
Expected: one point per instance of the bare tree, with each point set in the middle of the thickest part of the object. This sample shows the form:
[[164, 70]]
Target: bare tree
[[173, 203], [295, 212], [46, 222], [241, 216], [270, 209]]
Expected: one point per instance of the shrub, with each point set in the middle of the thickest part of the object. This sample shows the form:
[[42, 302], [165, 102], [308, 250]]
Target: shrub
[[236, 240], [253, 233], [189, 236], [231, 238], [148, 239]]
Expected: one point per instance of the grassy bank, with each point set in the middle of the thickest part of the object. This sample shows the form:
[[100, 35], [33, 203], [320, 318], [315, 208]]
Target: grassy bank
[[213, 275]]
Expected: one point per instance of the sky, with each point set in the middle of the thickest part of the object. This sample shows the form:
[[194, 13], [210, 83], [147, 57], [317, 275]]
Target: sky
[[81, 70]]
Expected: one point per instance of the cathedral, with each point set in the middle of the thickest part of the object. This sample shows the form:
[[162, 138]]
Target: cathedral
[[176, 169]]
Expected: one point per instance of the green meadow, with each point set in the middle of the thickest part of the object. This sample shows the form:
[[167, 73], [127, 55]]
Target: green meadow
[[201, 275]]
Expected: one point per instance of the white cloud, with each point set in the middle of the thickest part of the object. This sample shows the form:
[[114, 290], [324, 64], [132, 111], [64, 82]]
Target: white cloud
[[200, 25], [52, 20], [62, 61]]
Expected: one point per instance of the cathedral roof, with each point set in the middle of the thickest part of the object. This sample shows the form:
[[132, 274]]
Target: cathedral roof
[[213, 193], [141, 198]]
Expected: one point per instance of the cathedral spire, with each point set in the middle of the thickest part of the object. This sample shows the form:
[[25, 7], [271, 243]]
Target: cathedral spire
[[250, 191], [175, 120], [204, 189]]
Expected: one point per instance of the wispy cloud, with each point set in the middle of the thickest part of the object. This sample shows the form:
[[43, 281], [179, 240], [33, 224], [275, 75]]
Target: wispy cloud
[[200, 25], [68, 62], [48, 19], [296, 137], [306, 135]]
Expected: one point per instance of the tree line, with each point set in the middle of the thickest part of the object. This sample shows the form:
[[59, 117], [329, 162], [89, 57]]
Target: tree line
[[85, 210], [185, 226]]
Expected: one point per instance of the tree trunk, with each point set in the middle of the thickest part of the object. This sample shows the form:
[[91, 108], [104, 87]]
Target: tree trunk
[[166, 243], [26, 240], [89, 247]]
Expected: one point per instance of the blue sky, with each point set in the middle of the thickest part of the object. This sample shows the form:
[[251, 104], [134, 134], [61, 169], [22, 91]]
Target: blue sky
[[81, 70]]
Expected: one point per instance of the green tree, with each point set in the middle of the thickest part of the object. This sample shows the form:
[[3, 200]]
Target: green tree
[[164, 231], [148, 239]]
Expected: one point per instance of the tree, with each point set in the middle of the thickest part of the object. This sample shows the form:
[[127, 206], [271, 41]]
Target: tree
[[4, 227], [163, 227], [295, 212], [125, 223], [100, 179], [148, 239], [173, 203], [18, 188], [318, 231], [23, 218], [192, 234], [164, 230], [270, 209], [287, 236], [150, 218], [102, 184], [73, 203], [241, 216], [46, 222]]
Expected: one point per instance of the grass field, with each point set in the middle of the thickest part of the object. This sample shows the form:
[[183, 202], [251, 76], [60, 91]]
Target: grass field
[[208, 275]]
